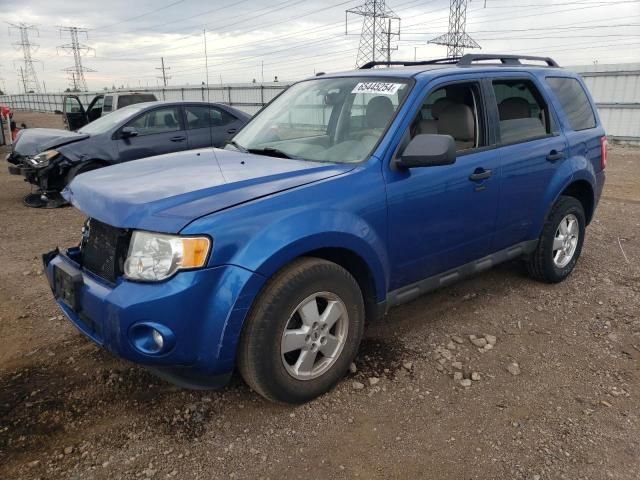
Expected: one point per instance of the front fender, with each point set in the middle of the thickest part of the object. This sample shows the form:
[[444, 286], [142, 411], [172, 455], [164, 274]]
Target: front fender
[[305, 232], [267, 234]]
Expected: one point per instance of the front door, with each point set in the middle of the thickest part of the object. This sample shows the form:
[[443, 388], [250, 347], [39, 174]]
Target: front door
[[157, 131], [75, 116], [442, 217]]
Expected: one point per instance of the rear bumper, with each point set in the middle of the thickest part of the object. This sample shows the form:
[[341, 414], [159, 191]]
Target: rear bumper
[[202, 310]]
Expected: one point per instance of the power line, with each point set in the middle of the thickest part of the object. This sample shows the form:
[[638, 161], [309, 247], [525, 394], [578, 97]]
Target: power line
[[377, 30], [28, 72], [138, 16], [76, 72], [456, 39]]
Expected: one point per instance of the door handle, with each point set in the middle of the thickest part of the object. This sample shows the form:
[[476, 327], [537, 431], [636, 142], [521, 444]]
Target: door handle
[[232, 130], [179, 138], [480, 174], [555, 155]]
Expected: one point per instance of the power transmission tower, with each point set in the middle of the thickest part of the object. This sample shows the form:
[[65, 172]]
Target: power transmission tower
[[164, 69], [76, 73], [377, 30], [28, 73], [456, 39]]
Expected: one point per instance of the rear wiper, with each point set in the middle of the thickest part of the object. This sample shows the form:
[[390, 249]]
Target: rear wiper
[[272, 152], [238, 146]]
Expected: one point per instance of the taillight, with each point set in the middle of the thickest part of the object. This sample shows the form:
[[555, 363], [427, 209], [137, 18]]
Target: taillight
[[603, 152]]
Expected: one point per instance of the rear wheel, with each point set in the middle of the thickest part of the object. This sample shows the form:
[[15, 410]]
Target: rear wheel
[[560, 243], [303, 331]]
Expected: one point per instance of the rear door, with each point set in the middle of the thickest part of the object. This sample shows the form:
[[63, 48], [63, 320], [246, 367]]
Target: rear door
[[209, 126], [75, 116], [159, 130], [531, 148]]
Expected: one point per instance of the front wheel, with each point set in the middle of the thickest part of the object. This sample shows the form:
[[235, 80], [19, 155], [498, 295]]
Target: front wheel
[[303, 331], [560, 243]]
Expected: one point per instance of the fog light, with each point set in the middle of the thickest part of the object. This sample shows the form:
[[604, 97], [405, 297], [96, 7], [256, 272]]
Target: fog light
[[152, 338], [158, 339]]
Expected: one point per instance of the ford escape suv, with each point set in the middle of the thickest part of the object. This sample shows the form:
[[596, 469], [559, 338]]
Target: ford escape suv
[[348, 194]]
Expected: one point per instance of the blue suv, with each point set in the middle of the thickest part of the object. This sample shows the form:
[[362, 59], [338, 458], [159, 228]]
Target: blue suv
[[348, 194]]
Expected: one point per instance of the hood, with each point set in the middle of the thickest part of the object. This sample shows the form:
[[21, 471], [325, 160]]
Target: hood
[[36, 140], [167, 192]]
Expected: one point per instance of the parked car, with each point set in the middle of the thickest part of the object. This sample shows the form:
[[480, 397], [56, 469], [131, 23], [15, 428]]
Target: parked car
[[76, 116], [347, 195], [50, 159]]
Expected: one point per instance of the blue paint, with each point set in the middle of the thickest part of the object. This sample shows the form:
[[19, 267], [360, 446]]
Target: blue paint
[[263, 212]]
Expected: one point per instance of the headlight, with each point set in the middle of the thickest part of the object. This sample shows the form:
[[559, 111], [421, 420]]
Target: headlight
[[155, 256], [43, 159]]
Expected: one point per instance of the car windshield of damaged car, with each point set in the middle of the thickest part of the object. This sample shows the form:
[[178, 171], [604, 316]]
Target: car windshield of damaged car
[[338, 120], [112, 120]]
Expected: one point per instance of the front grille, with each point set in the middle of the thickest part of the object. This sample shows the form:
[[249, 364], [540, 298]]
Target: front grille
[[104, 249]]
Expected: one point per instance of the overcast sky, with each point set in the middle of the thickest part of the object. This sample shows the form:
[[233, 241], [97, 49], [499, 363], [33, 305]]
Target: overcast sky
[[295, 38]]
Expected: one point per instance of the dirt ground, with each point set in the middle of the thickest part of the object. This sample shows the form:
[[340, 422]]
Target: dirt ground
[[569, 409]]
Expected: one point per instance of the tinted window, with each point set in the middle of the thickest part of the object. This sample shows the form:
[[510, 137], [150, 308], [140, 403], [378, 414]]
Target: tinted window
[[574, 102], [522, 111], [159, 120], [126, 100], [203, 116], [108, 103]]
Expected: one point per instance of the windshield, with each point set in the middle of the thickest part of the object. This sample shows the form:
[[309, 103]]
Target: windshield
[[337, 120], [107, 122]]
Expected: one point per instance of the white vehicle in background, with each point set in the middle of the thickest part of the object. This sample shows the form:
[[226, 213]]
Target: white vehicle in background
[[76, 116]]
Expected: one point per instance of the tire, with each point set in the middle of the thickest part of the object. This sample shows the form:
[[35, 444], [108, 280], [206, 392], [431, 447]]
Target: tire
[[282, 376], [553, 265]]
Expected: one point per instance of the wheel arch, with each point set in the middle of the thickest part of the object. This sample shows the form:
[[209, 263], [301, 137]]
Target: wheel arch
[[582, 191]]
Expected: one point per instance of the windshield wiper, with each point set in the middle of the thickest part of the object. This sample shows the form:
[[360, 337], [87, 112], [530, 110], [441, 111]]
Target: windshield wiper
[[238, 146], [272, 152]]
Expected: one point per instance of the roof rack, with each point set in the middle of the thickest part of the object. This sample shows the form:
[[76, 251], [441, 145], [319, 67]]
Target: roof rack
[[464, 61], [470, 58], [445, 61]]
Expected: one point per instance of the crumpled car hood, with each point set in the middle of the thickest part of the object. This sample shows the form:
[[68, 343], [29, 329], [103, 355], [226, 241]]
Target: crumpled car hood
[[36, 140], [167, 192]]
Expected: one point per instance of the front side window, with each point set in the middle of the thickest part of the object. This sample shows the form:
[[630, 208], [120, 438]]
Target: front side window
[[522, 111], [72, 105], [574, 101], [453, 110], [158, 120], [109, 122], [337, 120]]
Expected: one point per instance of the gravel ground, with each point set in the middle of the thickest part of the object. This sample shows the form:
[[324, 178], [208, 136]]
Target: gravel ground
[[555, 396]]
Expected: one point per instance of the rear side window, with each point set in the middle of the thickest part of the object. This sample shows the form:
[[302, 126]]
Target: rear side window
[[523, 113], [203, 116], [126, 100], [108, 103], [574, 102]]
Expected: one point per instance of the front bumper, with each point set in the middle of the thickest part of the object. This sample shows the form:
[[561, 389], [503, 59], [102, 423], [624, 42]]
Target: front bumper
[[203, 309]]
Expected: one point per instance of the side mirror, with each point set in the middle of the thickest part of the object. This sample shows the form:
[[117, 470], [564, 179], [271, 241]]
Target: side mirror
[[128, 132], [428, 150]]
